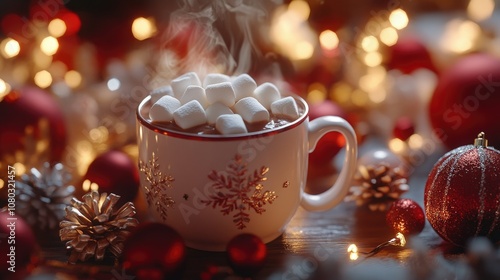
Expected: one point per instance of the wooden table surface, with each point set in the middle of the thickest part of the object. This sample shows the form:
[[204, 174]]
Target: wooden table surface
[[313, 246]]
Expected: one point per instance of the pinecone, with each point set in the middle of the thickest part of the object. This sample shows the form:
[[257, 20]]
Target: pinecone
[[42, 195], [377, 186], [92, 227]]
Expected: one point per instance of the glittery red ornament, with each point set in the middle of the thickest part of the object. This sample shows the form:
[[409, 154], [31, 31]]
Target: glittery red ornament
[[153, 251], [466, 99], [406, 216], [115, 172], [247, 253], [31, 109], [15, 234], [462, 193]]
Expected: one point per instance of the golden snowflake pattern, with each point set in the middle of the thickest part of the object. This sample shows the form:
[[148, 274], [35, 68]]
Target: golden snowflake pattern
[[158, 183], [236, 191]]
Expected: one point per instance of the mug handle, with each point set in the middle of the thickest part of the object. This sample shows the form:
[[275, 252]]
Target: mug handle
[[335, 194]]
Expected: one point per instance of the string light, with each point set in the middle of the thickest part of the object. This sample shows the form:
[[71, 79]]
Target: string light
[[89, 186], [300, 8], [4, 89], [398, 241], [113, 84], [73, 78]]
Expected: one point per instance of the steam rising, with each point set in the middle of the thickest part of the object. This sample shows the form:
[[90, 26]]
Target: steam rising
[[214, 36]]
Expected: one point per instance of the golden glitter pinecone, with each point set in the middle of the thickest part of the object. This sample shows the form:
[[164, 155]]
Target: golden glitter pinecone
[[93, 227], [377, 186], [43, 194]]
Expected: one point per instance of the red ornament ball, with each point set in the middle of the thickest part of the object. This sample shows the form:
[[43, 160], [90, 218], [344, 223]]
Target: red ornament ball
[[115, 172], [466, 100], [153, 251], [406, 216], [246, 253], [403, 128], [15, 229], [30, 108], [332, 142], [462, 194], [408, 55]]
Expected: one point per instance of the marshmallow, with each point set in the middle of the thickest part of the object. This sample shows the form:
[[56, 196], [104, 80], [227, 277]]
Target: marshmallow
[[194, 93], [222, 92], [215, 78], [243, 86], [180, 83], [266, 94], [251, 110], [190, 115], [230, 124], [285, 107], [215, 110], [158, 93], [163, 109]]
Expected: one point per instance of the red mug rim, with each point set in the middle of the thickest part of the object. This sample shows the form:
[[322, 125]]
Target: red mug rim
[[218, 137]]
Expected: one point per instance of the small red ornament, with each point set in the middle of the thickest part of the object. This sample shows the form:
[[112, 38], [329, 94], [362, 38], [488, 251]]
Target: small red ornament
[[330, 144], [410, 54], [462, 193], [406, 216], [115, 172], [153, 251], [14, 229], [247, 253], [31, 109], [465, 98], [403, 128]]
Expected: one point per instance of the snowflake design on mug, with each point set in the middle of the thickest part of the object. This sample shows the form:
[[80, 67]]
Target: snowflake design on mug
[[158, 183], [235, 190]]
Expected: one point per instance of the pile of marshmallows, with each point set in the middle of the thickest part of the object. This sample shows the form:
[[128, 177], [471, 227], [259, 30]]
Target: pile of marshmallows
[[226, 102]]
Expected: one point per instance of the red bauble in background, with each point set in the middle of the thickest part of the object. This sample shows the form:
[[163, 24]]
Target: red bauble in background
[[466, 100], [153, 251], [330, 144], [462, 194], [408, 55], [403, 128], [25, 108], [115, 172], [25, 244], [405, 216], [247, 253]]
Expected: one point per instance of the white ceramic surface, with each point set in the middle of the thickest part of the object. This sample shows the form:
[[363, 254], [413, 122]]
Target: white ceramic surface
[[211, 188]]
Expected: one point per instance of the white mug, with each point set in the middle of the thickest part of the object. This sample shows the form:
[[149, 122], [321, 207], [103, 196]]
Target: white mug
[[211, 188]]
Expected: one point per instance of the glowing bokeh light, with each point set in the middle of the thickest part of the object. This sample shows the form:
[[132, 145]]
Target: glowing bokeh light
[[328, 39], [143, 28], [480, 10], [303, 50], [4, 89], [369, 44], [49, 45], [10, 48], [73, 78], [43, 79], [389, 36], [300, 8], [460, 36], [398, 19], [373, 59], [57, 27], [113, 84]]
